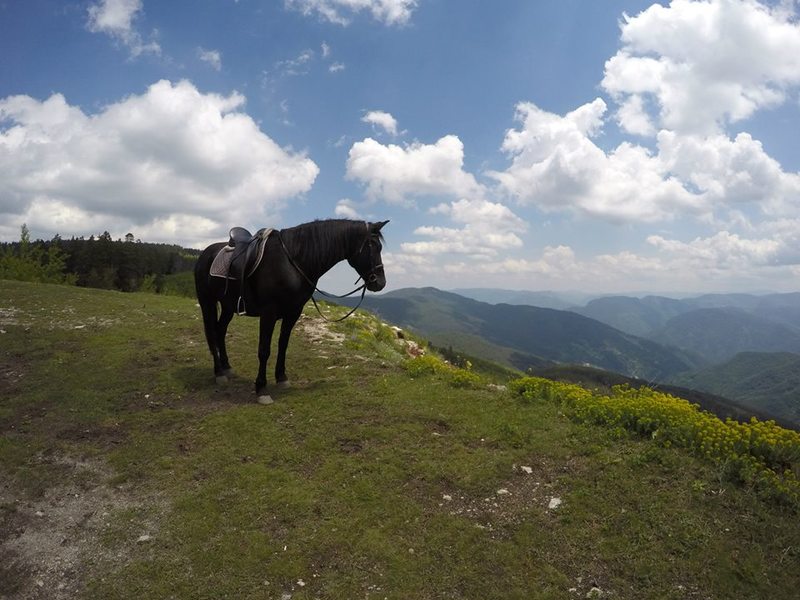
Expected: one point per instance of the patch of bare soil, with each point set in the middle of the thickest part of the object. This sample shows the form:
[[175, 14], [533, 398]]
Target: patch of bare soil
[[50, 545], [317, 330], [530, 488]]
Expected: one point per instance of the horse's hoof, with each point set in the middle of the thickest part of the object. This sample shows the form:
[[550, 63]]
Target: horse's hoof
[[283, 384], [221, 379], [265, 399], [227, 372]]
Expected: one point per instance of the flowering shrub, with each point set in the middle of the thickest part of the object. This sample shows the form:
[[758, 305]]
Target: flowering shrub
[[426, 364], [759, 453], [429, 364]]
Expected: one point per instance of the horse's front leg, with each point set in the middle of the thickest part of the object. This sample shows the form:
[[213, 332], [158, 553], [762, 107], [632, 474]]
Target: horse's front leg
[[265, 328], [283, 343]]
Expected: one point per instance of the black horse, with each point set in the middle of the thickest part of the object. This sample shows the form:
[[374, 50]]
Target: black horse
[[294, 259]]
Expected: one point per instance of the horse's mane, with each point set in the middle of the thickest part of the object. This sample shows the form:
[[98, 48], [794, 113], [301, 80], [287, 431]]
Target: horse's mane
[[315, 242]]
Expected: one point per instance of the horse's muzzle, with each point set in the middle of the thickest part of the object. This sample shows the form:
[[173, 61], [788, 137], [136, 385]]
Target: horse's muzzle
[[376, 282]]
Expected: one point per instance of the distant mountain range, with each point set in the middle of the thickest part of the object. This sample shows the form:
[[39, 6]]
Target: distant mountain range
[[718, 334], [525, 336], [557, 300], [644, 316], [737, 346]]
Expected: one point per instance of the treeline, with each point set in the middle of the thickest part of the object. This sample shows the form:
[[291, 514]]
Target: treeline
[[100, 262]]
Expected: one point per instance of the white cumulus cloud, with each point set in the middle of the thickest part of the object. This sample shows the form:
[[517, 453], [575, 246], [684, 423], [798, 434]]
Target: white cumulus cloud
[[703, 64], [487, 227], [389, 12], [400, 173], [381, 119], [731, 172], [347, 209], [173, 161], [116, 19], [212, 57], [556, 165]]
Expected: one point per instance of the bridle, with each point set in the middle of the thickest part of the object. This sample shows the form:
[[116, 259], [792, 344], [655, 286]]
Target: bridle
[[371, 277]]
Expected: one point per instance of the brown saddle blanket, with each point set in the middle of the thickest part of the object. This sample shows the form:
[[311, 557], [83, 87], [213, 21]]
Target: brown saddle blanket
[[250, 259]]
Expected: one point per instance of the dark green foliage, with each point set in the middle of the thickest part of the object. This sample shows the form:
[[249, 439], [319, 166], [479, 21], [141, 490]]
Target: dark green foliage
[[34, 261], [100, 262]]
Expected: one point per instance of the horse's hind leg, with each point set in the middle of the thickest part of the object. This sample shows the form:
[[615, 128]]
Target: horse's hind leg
[[226, 314], [210, 326]]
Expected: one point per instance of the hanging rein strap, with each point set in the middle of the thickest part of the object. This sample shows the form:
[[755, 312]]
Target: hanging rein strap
[[362, 288]]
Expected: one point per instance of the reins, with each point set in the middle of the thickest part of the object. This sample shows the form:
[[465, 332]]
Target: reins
[[362, 288]]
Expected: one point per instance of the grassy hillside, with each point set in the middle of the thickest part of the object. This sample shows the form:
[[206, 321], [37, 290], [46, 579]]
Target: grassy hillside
[[542, 333], [768, 381], [125, 473]]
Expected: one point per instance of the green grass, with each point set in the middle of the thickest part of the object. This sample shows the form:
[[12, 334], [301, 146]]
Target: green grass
[[363, 480]]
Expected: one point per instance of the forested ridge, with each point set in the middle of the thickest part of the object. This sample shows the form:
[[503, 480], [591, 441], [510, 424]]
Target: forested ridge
[[128, 265]]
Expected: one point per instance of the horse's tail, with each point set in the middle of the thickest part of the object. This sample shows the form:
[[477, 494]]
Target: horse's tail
[[206, 295]]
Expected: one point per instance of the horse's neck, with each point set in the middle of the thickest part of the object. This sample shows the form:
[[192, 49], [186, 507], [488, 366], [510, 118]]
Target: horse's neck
[[319, 257]]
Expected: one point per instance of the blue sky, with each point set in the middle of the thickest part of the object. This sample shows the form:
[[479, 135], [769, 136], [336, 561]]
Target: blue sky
[[607, 147]]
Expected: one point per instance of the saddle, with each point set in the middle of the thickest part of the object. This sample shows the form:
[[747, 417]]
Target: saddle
[[239, 259]]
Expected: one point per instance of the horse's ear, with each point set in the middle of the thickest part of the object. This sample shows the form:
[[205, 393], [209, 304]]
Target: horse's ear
[[376, 227]]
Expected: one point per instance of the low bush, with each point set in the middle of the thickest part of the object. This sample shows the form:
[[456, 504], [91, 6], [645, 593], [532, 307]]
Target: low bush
[[758, 453], [429, 364]]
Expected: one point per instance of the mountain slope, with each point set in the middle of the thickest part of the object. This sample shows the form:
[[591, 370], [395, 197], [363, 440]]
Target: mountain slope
[[718, 334], [548, 334], [768, 382], [541, 299], [637, 316]]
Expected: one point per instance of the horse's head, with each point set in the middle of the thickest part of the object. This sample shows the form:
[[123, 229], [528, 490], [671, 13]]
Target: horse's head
[[367, 260]]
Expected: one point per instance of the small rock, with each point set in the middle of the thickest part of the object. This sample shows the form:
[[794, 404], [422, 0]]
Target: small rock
[[447, 497], [39, 513], [143, 538], [502, 492], [301, 583], [554, 503], [595, 592], [526, 470]]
